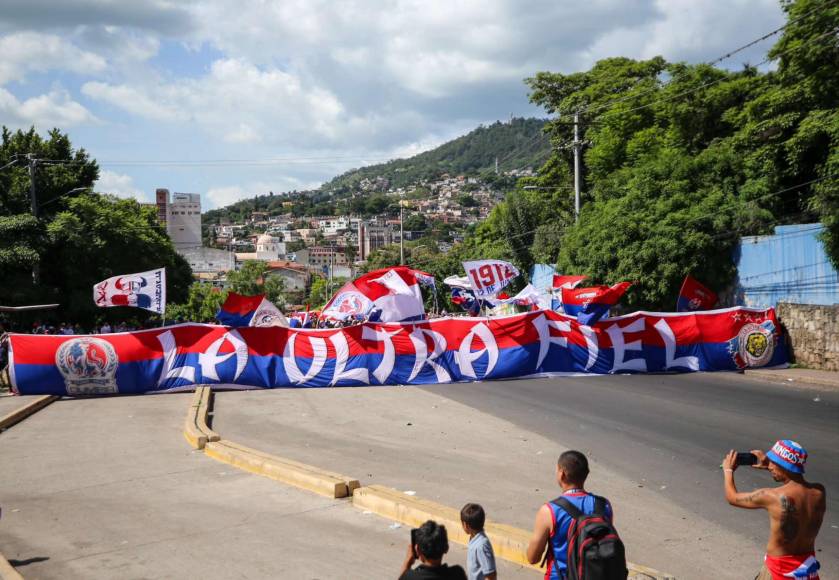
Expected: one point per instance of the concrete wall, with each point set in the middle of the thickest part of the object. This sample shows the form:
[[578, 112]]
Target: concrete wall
[[790, 266], [813, 333]]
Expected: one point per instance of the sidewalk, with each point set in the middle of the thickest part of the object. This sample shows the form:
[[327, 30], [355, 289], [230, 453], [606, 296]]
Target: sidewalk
[[108, 488], [797, 375]]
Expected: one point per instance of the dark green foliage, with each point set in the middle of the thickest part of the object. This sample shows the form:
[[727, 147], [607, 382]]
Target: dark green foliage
[[78, 238], [682, 160]]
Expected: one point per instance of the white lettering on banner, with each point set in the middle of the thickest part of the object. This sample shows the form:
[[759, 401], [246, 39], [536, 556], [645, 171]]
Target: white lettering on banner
[[295, 375], [385, 368], [170, 352], [546, 339], [619, 347], [666, 333], [210, 360], [465, 357], [418, 336], [342, 355], [592, 345]]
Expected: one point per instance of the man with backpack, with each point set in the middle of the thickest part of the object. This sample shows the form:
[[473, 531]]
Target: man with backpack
[[575, 532]]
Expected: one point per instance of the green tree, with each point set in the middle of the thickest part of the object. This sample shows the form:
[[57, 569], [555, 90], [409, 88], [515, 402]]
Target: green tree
[[318, 294], [99, 236], [251, 279], [79, 237], [684, 159], [202, 303]]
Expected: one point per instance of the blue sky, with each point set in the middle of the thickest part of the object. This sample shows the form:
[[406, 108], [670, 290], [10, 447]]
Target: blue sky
[[231, 99]]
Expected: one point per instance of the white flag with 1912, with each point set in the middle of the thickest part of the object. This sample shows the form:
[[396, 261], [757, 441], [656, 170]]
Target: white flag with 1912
[[489, 277], [146, 290]]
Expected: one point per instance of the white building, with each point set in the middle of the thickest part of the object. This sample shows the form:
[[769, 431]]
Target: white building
[[331, 226], [183, 220], [269, 248]]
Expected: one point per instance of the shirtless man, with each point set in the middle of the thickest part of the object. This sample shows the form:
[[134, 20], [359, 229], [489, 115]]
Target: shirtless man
[[796, 510]]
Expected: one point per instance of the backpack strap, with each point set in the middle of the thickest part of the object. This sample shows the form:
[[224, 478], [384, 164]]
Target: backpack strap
[[600, 506], [569, 508]]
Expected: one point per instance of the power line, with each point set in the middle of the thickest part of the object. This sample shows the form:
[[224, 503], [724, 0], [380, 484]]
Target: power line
[[713, 82], [713, 62]]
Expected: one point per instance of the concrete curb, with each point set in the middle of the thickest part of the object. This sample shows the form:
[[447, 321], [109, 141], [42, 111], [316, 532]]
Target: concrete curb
[[201, 437], [790, 378], [22, 413], [203, 415], [196, 430], [193, 435], [7, 571], [300, 475], [509, 543]]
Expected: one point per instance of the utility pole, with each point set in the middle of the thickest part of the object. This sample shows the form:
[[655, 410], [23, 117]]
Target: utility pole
[[401, 234], [331, 264], [33, 200], [577, 146]]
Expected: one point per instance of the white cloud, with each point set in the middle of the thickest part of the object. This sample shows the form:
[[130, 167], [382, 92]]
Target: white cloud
[[120, 185], [251, 79], [132, 100], [235, 101], [53, 109], [26, 52]]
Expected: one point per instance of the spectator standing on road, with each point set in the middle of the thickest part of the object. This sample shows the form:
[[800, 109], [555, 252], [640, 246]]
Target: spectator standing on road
[[429, 546], [796, 510], [480, 557], [553, 521]]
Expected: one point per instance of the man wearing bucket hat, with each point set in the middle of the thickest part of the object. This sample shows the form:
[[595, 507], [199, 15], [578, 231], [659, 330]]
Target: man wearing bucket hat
[[796, 510]]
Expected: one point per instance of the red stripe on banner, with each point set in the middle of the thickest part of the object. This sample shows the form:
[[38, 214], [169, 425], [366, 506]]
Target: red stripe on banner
[[519, 330]]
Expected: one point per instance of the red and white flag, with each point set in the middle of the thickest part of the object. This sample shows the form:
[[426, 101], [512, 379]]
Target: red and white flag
[[488, 277], [145, 290], [388, 295]]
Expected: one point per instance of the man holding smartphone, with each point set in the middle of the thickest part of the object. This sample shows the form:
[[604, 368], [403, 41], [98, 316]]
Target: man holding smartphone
[[796, 510]]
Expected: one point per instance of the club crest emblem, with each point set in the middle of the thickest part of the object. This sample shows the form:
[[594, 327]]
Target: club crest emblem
[[88, 365], [266, 317], [754, 344]]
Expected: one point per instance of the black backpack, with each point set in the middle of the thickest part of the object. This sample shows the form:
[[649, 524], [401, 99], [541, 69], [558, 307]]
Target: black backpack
[[595, 551]]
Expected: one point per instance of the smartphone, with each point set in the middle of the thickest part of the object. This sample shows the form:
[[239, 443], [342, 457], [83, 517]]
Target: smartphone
[[414, 532], [746, 458]]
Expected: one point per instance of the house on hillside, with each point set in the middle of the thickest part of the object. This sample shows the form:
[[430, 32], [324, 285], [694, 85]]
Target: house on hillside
[[295, 276]]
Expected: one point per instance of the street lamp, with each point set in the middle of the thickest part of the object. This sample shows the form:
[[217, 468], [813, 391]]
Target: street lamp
[[71, 192]]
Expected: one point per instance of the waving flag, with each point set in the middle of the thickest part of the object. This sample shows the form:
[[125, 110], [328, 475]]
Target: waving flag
[[390, 294], [529, 296], [489, 277], [239, 310], [596, 307], [569, 282], [561, 282], [694, 296], [574, 299], [466, 300], [146, 290]]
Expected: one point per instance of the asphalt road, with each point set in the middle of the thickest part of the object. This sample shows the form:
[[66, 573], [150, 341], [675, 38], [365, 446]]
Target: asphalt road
[[670, 432]]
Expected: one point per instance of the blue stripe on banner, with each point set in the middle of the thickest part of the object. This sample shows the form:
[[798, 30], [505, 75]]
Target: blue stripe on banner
[[276, 371]]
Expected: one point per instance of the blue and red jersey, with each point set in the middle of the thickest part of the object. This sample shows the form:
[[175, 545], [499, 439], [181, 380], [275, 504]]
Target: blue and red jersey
[[560, 525]]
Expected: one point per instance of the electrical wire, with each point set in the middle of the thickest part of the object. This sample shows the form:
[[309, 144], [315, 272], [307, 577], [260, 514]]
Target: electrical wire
[[594, 108]]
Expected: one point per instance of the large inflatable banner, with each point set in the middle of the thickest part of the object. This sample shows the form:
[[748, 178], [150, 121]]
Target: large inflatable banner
[[542, 343]]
